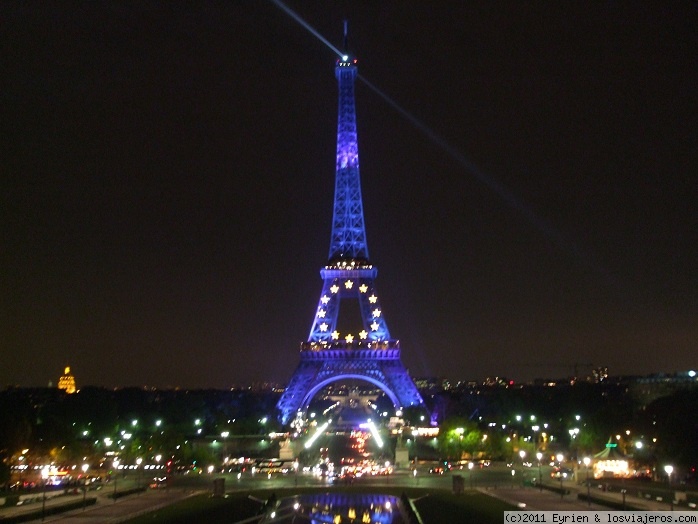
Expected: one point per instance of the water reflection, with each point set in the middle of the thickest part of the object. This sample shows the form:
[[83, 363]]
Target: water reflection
[[340, 508]]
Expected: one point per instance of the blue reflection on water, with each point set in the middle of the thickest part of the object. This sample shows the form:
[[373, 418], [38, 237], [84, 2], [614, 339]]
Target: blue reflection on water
[[340, 507]]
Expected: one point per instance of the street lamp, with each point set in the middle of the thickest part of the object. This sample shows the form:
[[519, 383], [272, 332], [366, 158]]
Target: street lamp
[[138, 474], [539, 456], [587, 461], [44, 476], [522, 454], [116, 476], [470, 468], [559, 457], [84, 486], [669, 470]]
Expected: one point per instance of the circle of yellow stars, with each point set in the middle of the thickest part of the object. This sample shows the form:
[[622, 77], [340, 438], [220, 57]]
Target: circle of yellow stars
[[363, 334]]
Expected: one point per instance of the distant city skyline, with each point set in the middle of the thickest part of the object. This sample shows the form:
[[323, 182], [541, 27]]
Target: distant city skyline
[[169, 174], [68, 382]]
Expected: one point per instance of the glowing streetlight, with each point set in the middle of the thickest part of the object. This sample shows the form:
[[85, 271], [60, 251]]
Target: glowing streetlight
[[84, 468], [44, 476], [139, 461], [116, 476], [669, 470], [560, 457], [539, 456], [587, 461]]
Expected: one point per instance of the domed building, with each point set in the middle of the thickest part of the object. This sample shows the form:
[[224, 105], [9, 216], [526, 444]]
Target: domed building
[[67, 381]]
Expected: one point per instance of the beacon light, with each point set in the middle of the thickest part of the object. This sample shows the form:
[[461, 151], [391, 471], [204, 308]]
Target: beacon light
[[315, 436]]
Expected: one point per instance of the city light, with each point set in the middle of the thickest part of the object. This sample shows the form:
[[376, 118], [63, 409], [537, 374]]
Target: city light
[[374, 432], [317, 433]]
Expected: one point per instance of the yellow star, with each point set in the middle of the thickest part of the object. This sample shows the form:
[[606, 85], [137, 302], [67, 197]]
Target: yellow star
[[349, 338], [376, 313], [348, 284], [323, 326], [334, 288], [372, 299], [374, 326], [363, 288], [335, 335], [321, 313], [363, 334], [325, 299]]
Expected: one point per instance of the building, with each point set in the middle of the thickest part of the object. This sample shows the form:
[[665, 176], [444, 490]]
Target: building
[[67, 381]]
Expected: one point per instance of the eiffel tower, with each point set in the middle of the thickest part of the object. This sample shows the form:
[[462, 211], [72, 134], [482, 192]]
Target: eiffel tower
[[336, 348]]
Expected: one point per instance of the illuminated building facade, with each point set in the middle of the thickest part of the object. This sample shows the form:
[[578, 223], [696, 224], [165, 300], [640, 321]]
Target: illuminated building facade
[[67, 381], [353, 346]]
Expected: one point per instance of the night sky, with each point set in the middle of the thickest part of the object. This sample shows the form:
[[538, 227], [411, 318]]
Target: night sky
[[168, 177]]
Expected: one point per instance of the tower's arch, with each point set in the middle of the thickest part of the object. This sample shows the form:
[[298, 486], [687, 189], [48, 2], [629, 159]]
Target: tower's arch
[[348, 376]]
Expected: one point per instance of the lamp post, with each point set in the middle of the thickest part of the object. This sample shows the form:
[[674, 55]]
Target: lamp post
[[84, 486], [539, 456], [138, 474], [559, 457], [587, 461], [116, 477], [44, 477], [669, 470], [470, 469], [522, 454]]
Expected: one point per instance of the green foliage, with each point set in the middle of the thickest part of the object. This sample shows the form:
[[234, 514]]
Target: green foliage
[[674, 419], [415, 416], [458, 436]]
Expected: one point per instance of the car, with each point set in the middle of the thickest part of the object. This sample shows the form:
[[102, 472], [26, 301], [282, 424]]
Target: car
[[158, 482], [564, 473], [436, 471]]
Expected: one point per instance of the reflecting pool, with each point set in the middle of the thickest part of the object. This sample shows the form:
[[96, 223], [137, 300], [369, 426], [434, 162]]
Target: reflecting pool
[[338, 508]]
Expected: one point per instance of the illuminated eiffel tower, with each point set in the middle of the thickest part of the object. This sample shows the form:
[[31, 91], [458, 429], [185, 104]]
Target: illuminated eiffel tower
[[338, 349]]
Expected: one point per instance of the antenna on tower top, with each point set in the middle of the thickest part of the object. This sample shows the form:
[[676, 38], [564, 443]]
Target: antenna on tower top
[[346, 30]]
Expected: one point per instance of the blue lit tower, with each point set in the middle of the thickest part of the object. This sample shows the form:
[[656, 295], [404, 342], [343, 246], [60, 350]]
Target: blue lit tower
[[341, 345]]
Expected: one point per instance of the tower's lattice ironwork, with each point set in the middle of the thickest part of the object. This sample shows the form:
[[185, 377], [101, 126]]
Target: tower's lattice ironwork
[[334, 350]]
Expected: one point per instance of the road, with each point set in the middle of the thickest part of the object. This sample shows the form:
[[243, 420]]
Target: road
[[496, 481], [105, 510]]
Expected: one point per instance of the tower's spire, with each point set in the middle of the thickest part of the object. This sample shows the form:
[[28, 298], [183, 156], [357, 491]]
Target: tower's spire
[[348, 240], [346, 31]]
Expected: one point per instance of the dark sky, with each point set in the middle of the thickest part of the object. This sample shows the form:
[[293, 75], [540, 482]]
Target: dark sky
[[168, 169]]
